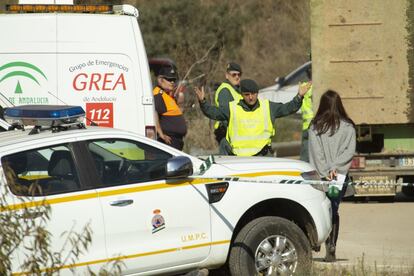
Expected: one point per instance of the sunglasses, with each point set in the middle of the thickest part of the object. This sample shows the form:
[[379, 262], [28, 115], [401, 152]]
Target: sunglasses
[[235, 74], [170, 79]]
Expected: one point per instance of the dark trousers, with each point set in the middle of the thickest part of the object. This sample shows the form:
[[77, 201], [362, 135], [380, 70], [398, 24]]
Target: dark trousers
[[220, 133], [176, 142], [265, 151], [304, 148], [333, 236], [336, 201]]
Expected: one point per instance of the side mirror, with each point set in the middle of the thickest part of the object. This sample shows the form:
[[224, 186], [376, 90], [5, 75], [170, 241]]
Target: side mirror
[[179, 167], [280, 81]]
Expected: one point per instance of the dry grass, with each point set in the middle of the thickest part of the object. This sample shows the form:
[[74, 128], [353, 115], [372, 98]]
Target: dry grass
[[360, 269], [334, 269]]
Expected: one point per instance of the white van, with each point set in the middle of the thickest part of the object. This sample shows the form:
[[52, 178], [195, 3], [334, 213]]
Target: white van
[[86, 55]]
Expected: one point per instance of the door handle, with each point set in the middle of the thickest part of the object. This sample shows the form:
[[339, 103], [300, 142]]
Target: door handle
[[122, 202], [30, 214]]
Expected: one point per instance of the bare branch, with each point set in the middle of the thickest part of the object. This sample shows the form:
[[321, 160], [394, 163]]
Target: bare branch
[[203, 59]]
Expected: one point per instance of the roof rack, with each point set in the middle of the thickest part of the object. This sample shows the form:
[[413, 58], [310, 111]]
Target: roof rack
[[53, 8], [55, 117]]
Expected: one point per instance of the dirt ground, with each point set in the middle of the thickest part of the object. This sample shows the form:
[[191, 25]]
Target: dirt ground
[[379, 233]]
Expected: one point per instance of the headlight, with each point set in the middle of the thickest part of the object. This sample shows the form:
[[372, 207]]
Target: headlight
[[314, 175], [311, 175]]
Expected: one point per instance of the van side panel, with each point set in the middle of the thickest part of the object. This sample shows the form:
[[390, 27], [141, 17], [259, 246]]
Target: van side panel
[[93, 60], [144, 73], [23, 32], [27, 59]]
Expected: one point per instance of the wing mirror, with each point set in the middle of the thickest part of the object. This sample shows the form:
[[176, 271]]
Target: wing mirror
[[179, 167], [280, 81]]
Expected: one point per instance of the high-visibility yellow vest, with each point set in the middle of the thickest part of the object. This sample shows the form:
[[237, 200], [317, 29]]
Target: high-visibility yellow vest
[[236, 96], [307, 110], [249, 131]]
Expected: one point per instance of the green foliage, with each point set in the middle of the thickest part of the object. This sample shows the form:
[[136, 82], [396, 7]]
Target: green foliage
[[185, 30], [168, 24]]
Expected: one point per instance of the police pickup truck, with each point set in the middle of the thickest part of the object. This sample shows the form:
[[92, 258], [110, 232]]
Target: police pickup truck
[[156, 209]]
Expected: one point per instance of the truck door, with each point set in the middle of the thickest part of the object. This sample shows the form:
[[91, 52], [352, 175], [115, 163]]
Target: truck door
[[41, 175], [150, 223]]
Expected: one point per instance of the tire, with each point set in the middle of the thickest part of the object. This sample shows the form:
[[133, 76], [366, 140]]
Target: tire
[[263, 233]]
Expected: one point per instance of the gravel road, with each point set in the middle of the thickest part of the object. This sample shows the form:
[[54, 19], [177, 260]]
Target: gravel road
[[380, 233]]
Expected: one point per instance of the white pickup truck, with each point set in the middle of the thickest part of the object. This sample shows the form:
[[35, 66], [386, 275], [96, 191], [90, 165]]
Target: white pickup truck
[[159, 210]]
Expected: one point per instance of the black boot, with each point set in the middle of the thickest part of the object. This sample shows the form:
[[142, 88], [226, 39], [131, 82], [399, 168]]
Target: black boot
[[330, 243], [330, 251], [336, 228]]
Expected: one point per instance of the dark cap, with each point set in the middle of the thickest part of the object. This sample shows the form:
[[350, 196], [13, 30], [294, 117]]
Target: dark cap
[[168, 73], [231, 66], [249, 86]]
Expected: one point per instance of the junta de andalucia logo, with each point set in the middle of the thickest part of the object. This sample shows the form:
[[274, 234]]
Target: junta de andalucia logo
[[20, 69]]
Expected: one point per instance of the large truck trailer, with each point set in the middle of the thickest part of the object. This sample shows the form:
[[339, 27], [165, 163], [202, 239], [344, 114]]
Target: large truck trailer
[[363, 49]]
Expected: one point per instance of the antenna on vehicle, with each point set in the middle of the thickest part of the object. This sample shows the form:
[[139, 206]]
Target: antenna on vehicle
[[89, 120], [12, 104], [3, 124]]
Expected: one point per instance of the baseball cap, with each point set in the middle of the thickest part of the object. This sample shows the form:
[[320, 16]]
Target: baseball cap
[[231, 66], [248, 85], [168, 73]]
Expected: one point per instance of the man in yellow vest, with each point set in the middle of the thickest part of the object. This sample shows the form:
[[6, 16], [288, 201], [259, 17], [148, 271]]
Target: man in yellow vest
[[307, 116], [170, 122], [228, 91], [250, 120]]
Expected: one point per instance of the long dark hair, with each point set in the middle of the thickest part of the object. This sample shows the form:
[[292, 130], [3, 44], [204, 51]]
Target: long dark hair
[[330, 112]]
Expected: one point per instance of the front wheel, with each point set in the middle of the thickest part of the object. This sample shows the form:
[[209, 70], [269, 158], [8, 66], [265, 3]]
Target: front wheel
[[270, 246]]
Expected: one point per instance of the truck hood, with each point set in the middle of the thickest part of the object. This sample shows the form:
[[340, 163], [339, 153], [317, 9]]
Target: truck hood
[[256, 166]]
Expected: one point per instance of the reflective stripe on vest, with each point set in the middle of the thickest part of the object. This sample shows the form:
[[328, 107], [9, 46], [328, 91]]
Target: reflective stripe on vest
[[249, 131], [307, 110], [236, 96], [170, 103]]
